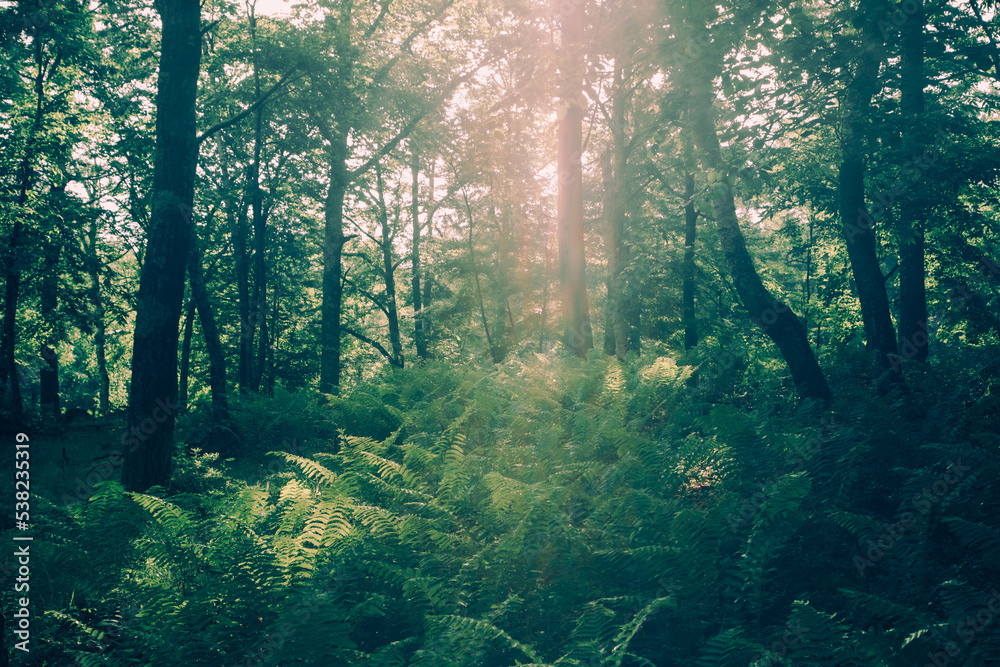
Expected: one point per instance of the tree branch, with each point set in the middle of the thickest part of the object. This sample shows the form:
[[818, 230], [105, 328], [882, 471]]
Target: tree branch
[[372, 297], [383, 10], [405, 131], [250, 109], [405, 46], [365, 339]]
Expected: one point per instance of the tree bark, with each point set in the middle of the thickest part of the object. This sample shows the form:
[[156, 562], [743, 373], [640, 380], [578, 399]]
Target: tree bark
[[274, 336], [182, 384], [9, 382], [545, 299], [259, 233], [428, 279], [48, 376], [388, 269], [862, 245], [614, 218], [419, 339], [616, 340], [913, 340], [578, 335], [775, 318], [153, 394], [236, 214], [97, 303], [688, 268], [333, 248], [213, 342]]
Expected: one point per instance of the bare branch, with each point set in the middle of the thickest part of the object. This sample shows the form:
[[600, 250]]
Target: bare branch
[[365, 339], [405, 46], [250, 109]]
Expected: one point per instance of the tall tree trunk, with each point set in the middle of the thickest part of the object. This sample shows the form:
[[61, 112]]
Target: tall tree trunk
[[614, 325], [10, 385], [609, 318], [97, 303], [391, 312], [260, 301], [913, 343], [213, 342], [419, 338], [578, 336], [499, 278], [275, 336], [259, 228], [775, 318], [615, 222], [545, 298], [48, 376], [428, 279], [153, 394], [808, 282], [237, 217], [862, 245], [182, 383], [494, 350], [632, 304], [333, 248], [688, 268]]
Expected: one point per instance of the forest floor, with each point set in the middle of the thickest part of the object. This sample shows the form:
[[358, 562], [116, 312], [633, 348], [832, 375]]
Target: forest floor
[[545, 512]]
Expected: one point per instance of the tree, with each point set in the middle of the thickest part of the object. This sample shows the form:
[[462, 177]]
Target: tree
[[384, 266], [98, 315], [419, 317], [617, 343], [153, 394], [339, 94], [775, 318], [206, 317], [577, 333], [690, 237], [857, 224], [913, 334]]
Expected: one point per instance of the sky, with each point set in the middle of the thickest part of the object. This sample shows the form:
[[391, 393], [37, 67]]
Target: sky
[[269, 7]]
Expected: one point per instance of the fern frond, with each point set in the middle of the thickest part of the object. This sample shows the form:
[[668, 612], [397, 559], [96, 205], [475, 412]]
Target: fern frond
[[471, 627], [984, 539], [629, 630], [728, 649], [312, 470], [171, 518]]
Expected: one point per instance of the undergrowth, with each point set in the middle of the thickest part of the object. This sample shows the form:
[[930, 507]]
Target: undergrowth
[[549, 512]]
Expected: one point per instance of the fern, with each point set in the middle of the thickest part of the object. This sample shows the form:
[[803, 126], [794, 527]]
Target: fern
[[312, 470]]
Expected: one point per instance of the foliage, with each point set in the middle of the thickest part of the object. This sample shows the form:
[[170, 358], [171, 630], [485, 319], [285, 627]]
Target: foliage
[[550, 512]]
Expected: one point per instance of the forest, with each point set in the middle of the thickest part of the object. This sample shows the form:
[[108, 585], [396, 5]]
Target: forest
[[485, 333]]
